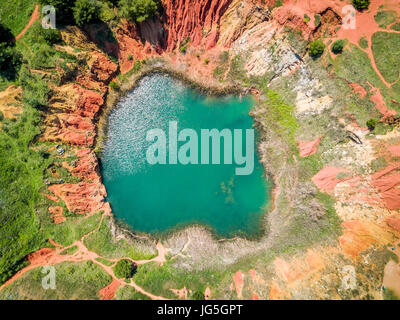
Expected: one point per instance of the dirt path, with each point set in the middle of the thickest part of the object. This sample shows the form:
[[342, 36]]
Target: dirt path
[[34, 17], [51, 257]]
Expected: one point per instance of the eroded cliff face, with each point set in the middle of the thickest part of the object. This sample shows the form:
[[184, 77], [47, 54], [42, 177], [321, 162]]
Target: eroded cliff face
[[197, 20]]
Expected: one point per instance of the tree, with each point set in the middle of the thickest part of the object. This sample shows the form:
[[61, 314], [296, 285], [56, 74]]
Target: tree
[[124, 269], [371, 124], [137, 10], [64, 10], [86, 12], [10, 61], [361, 4], [317, 48], [338, 46], [5, 34]]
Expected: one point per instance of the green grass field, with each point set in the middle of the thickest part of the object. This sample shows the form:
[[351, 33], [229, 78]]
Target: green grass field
[[15, 14]]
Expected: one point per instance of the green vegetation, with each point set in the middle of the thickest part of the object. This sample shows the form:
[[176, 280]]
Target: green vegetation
[[389, 294], [64, 10], [206, 61], [363, 43], [183, 45], [21, 170], [338, 46], [371, 124], [278, 3], [361, 4], [137, 10], [220, 70], [124, 269], [86, 12], [198, 295], [317, 19], [317, 48], [15, 14], [395, 27], [386, 50], [306, 18], [385, 18], [82, 280], [281, 113]]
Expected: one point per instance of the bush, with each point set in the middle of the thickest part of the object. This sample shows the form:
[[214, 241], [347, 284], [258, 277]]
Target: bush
[[317, 48], [36, 91], [86, 12], [5, 34], [206, 61], [137, 10], [124, 269], [49, 36], [306, 18], [198, 295], [338, 46], [10, 61], [371, 124], [361, 4], [64, 10], [114, 86]]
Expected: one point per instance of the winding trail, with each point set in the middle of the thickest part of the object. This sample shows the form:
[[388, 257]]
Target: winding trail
[[51, 257], [34, 17]]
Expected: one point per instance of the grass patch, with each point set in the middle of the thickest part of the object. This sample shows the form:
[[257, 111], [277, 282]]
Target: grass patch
[[103, 243], [363, 43], [385, 18], [81, 280], [15, 14], [386, 50]]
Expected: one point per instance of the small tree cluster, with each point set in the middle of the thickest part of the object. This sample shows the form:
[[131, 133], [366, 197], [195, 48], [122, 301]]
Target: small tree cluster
[[124, 269], [361, 4], [338, 46], [86, 12], [371, 124], [10, 57], [137, 10], [317, 48]]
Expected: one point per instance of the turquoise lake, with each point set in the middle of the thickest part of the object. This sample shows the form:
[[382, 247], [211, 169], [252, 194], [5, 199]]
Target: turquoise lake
[[160, 197]]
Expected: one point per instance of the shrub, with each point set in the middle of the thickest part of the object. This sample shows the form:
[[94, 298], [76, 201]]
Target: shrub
[[198, 295], [361, 4], [64, 10], [317, 20], [36, 91], [49, 36], [317, 48], [5, 34], [124, 269], [86, 12], [206, 61], [10, 61], [306, 18], [137, 10], [137, 66], [114, 85], [371, 124], [338, 46]]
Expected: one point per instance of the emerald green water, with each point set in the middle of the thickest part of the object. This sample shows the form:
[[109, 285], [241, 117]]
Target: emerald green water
[[156, 198]]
